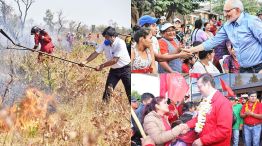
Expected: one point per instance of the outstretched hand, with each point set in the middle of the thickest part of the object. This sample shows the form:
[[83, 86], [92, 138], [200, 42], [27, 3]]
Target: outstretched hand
[[184, 128]]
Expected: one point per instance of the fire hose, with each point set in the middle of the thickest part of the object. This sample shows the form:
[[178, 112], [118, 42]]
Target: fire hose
[[44, 53]]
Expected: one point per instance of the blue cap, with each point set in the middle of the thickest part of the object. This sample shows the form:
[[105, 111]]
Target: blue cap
[[133, 99], [146, 19]]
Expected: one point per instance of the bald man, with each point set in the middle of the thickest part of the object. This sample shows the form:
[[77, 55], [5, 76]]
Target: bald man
[[245, 33]]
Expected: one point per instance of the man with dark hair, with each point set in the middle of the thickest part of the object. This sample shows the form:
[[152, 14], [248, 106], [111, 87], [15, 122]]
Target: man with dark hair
[[251, 112], [146, 98], [117, 58], [210, 122]]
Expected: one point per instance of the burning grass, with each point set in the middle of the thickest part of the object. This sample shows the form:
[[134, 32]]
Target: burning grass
[[73, 113]]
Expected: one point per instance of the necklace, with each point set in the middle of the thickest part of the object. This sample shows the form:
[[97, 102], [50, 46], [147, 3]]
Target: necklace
[[253, 107], [204, 108]]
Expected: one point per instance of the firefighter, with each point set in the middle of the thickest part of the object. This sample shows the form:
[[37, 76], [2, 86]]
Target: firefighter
[[42, 37]]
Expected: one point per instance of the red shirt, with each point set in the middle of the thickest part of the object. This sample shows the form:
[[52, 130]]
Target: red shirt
[[249, 119], [164, 46], [218, 126], [46, 42], [185, 68]]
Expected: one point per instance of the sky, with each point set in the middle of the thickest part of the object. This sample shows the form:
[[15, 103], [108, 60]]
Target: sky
[[89, 12], [149, 84]]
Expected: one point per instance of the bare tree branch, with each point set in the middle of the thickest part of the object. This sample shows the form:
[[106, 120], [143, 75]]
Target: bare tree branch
[[60, 21], [27, 4]]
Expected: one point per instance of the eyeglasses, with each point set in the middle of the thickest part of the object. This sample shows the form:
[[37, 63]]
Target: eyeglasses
[[227, 11]]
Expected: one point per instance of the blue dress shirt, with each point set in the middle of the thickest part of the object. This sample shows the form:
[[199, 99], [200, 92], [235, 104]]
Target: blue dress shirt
[[246, 36]]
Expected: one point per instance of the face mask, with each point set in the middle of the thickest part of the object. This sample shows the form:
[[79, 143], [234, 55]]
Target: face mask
[[107, 42]]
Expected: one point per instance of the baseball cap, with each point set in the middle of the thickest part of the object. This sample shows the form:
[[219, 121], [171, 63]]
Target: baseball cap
[[133, 99], [146, 19], [163, 17], [176, 19], [166, 26]]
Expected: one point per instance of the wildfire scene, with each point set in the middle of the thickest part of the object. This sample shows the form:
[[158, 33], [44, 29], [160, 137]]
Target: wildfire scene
[[60, 69]]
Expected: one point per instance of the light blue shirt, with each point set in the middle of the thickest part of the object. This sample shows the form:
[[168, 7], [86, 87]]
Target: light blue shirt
[[246, 37]]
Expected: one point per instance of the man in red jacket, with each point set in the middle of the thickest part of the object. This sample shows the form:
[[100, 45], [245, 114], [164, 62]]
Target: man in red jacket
[[217, 127], [44, 39]]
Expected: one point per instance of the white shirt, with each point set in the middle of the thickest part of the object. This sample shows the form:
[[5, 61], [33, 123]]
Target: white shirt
[[117, 49], [156, 48], [199, 68]]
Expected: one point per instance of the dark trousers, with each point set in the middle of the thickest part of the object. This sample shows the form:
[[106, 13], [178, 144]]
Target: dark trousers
[[113, 78], [253, 69]]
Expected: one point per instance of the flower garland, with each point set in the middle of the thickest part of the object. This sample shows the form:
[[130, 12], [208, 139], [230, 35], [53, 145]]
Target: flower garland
[[253, 107], [204, 108]]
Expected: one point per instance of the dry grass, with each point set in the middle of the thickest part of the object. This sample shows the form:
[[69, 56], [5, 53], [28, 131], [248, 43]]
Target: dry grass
[[80, 117]]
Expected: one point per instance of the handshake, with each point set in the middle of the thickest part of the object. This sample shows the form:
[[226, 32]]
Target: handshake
[[184, 128], [186, 53]]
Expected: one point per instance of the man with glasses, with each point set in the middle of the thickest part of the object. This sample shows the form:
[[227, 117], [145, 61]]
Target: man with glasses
[[245, 33], [251, 112]]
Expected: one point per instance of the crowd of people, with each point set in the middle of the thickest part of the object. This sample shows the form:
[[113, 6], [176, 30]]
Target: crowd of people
[[216, 120], [214, 46]]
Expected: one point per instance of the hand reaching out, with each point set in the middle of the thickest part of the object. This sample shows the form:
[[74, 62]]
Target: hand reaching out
[[184, 128]]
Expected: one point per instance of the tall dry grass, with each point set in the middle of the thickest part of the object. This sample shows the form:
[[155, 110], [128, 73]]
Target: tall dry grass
[[63, 105]]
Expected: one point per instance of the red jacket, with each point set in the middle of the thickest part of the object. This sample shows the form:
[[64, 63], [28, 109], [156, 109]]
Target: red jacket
[[46, 42], [218, 127]]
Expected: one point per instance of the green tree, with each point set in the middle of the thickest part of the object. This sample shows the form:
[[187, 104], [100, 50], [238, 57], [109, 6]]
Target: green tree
[[162, 8], [253, 79], [49, 16], [250, 6], [238, 80], [136, 95]]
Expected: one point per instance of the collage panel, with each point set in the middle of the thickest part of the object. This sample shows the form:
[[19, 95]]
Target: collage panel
[[196, 109], [65, 75], [196, 73]]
